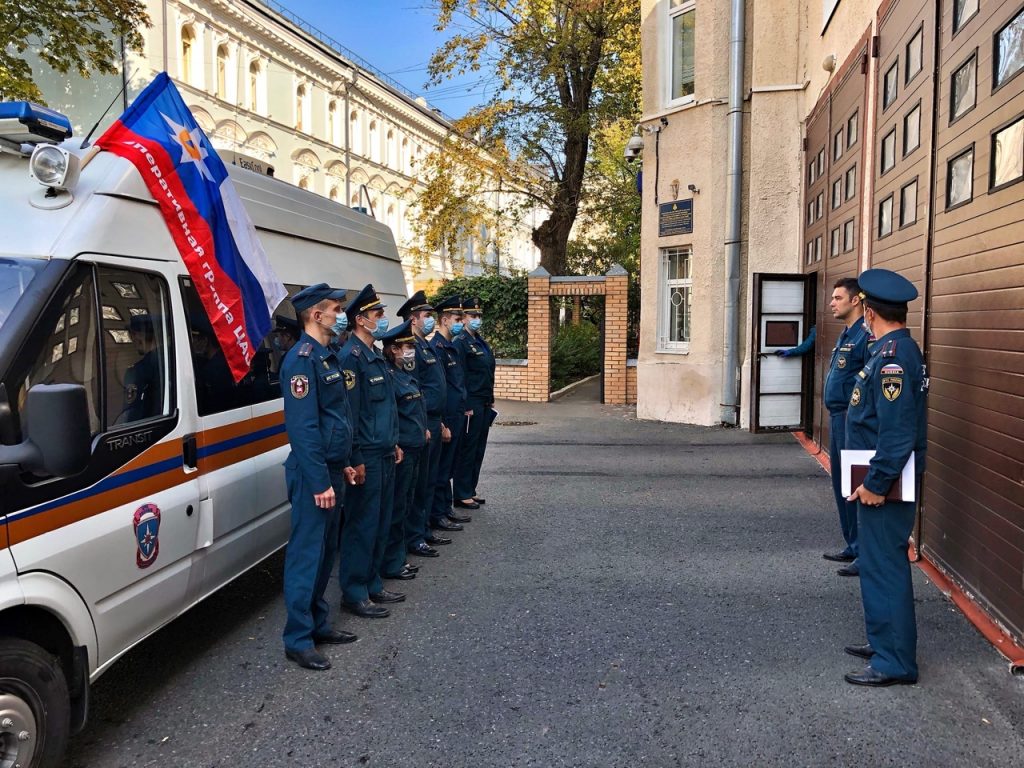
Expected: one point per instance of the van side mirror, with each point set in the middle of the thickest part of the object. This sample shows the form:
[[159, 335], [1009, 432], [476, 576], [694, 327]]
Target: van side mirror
[[58, 440]]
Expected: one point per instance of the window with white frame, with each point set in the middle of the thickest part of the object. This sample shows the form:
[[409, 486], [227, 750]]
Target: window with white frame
[[676, 291], [682, 15]]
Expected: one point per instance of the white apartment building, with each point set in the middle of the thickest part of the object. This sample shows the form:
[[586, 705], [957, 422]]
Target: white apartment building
[[264, 83]]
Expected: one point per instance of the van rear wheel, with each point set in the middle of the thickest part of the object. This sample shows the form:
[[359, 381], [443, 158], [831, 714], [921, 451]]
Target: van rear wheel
[[35, 710]]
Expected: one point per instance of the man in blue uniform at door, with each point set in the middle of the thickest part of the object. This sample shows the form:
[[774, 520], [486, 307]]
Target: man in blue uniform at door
[[442, 516], [318, 423], [849, 356], [375, 451], [419, 539], [887, 415], [479, 363]]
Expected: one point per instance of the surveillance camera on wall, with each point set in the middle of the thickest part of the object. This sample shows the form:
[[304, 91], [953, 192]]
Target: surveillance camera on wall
[[634, 147]]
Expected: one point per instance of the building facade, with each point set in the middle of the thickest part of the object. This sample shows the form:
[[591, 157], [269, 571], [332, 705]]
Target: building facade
[[263, 83], [874, 134]]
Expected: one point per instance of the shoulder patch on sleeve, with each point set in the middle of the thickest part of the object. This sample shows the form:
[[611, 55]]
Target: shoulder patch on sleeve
[[305, 350]]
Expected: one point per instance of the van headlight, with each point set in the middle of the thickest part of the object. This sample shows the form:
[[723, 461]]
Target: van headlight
[[54, 166]]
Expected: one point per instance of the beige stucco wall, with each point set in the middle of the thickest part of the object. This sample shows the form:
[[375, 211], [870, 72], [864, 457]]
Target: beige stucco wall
[[785, 47]]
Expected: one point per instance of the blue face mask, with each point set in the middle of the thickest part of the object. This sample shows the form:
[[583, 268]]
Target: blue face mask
[[428, 326], [340, 324], [475, 323], [382, 327], [456, 328]]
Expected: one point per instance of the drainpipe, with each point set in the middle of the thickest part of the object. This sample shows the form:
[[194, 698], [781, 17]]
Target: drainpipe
[[730, 365]]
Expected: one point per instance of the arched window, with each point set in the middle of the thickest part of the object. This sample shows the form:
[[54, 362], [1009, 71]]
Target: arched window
[[332, 122], [300, 108], [374, 142], [389, 148], [304, 182], [188, 45], [222, 72], [254, 86], [355, 135], [333, 194], [405, 162]]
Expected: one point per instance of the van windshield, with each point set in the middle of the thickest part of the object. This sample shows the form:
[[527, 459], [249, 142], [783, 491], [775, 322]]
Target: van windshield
[[15, 276]]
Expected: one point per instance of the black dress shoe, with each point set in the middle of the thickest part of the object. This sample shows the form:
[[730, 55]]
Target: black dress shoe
[[367, 609], [410, 567], [402, 575], [437, 541], [444, 524], [310, 658], [863, 651], [425, 550], [387, 597], [839, 557], [457, 518], [876, 679], [478, 500], [334, 637], [465, 505], [849, 570]]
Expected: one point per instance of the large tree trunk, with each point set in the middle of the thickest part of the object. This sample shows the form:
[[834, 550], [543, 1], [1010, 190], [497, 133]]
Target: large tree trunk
[[552, 236]]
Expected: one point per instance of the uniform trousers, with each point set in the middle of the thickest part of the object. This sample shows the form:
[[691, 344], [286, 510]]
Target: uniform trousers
[[406, 475], [887, 588], [364, 534], [471, 453], [426, 479], [442, 503], [847, 509], [309, 559]]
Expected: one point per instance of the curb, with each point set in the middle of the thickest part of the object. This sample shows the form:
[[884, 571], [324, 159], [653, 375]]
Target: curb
[[1000, 639], [570, 387]]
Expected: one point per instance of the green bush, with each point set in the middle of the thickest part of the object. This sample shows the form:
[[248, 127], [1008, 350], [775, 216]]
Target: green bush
[[575, 354], [504, 300]]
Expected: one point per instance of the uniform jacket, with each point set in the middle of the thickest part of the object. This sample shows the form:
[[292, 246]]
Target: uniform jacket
[[316, 412], [479, 362], [849, 356], [412, 411], [430, 375], [887, 409], [454, 374], [371, 393]]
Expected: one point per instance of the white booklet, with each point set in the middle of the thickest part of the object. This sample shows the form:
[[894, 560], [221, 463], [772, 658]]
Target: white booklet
[[854, 467]]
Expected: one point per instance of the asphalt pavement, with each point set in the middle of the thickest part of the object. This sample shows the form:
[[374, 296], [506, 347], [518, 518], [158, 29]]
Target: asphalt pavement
[[632, 594]]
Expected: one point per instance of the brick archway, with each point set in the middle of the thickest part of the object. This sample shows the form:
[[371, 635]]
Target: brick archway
[[530, 379]]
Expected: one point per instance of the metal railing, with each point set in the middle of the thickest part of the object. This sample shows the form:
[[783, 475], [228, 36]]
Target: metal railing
[[343, 51]]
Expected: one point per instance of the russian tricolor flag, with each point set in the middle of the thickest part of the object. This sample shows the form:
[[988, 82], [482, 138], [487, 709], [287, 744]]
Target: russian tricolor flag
[[212, 230]]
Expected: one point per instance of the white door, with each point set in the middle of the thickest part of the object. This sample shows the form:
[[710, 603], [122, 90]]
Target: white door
[[123, 532], [780, 383]]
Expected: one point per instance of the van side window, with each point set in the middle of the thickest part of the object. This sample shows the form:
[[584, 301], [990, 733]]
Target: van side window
[[215, 388], [136, 329], [69, 354]]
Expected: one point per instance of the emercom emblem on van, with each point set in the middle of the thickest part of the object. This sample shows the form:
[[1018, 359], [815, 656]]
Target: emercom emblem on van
[[147, 534]]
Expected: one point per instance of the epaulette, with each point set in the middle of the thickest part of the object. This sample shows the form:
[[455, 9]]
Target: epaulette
[[354, 350], [889, 350], [306, 349]]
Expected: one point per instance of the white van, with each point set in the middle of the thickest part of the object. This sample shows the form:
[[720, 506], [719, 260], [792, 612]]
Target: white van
[[135, 479]]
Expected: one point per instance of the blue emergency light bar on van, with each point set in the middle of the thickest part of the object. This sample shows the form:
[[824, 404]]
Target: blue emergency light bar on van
[[23, 122]]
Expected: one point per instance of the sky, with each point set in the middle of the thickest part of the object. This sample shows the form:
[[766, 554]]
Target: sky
[[398, 38]]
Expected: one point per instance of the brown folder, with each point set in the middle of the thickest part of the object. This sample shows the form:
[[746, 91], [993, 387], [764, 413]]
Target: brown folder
[[859, 472]]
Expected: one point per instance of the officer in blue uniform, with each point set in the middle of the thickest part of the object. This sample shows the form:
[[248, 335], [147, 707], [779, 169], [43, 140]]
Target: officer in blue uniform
[[886, 414], [849, 356], [430, 375], [479, 362], [442, 516], [375, 451], [413, 436], [143, 381], [318, 423]]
